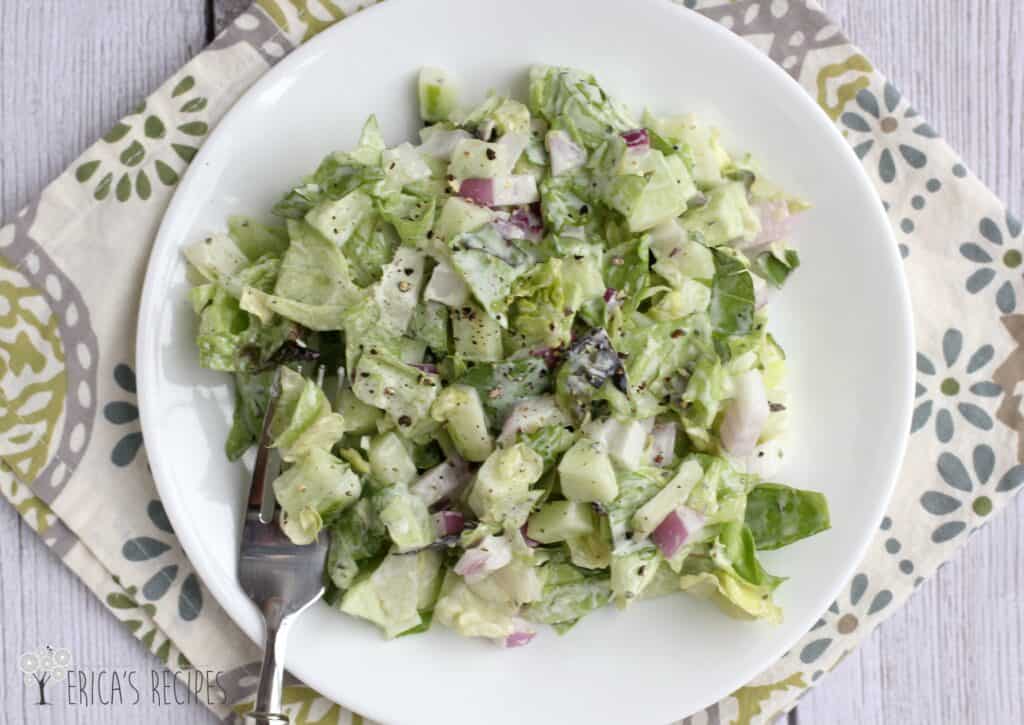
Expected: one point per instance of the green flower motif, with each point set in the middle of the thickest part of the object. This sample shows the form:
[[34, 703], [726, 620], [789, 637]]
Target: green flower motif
[[839, 622], [966, 502], [149, 548], [879, 121], [999, 265], [148, 147], [963, 390], [121, 412]]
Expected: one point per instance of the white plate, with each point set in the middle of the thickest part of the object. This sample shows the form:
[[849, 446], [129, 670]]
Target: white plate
[[844, 321]]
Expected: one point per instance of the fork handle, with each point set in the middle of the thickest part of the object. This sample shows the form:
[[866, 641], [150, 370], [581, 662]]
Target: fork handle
[[268, 696]]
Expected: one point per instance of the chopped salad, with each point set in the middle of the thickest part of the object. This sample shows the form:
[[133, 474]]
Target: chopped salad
[[524, 364]]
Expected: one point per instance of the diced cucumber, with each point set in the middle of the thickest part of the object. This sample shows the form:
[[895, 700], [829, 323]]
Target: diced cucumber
[[437, 94], [678, 258], [725, 217], [459, 216], [631, 574], [624, 441], [390, 461], [359, 417], [560, 520], [338, 220], [476, 334], [501, 492], [459, 407], [586, 474], [649, 516]]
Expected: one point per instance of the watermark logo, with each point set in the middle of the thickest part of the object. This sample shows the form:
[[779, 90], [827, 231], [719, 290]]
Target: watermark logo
[[45, 664], [89, 685]]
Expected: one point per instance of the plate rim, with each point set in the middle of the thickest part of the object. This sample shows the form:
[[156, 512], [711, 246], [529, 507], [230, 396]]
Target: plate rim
[[165, 242]]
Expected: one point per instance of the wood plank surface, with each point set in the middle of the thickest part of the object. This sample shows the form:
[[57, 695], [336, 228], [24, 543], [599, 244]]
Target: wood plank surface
[[70, 68]]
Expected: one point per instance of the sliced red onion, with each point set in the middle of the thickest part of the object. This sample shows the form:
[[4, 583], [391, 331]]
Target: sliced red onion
[[636, 139], [481, 191], [670, 535], [488, 556], [426, 367], [609, 294], [442, 481], [440, 143], [565, 154], [448, 523], [678, 526], [746, 415], [522, 633], [552, 356], [776, 224], [533, 544], [529, 219], [512, 190], [663, 444]]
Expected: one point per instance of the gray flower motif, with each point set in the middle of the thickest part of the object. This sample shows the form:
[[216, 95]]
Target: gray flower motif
[[999, 265], [150, 548], [964, 503], [841, 619], [878, 123], [964, 390], [125, 413]]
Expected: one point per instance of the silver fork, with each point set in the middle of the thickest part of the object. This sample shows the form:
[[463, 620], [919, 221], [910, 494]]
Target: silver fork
[[280, 577]]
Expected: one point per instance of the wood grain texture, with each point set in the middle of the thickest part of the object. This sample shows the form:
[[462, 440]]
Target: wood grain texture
[[951, 655], [68, 70]]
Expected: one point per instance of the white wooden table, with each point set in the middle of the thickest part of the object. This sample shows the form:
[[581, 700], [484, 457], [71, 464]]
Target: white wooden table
[[70, 68]]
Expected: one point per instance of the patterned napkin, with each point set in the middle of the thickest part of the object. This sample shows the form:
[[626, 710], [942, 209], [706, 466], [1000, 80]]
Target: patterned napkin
[[71, 451]]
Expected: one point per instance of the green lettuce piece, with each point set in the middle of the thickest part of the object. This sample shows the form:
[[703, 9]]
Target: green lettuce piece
[[549, 442], [471, 615], [371, 246], [313, 270], [406, 518], [568, 200], [721, 494], [779, 515], [412, 216], [568, 596], [735, 550], [252, 391], [315, 489], [732, 295], [576, 100], [502, 385], [316, 317], [507, 114], [548, 296], [429, 323], [777, 264], [218, 259], [390, 596], [647, 201], [255, 239], [403, 392], [636, 487], [358, 539], [303, 419], [222, 327], [732, 595]]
